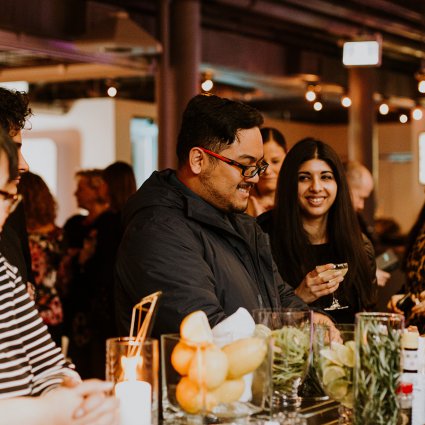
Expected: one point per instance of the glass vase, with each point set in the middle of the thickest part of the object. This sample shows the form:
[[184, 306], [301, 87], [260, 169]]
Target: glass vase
[[378, 368]]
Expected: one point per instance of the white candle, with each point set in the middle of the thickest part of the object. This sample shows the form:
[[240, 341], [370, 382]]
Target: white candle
[[135, 402]]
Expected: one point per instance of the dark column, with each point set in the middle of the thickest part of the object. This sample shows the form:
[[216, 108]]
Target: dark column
[[362, 141], [178, 79]]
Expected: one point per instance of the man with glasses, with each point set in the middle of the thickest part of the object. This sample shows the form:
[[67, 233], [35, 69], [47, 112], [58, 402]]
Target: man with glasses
[[185, 231]]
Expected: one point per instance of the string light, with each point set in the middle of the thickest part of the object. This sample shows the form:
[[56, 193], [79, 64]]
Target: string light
[[403, 118], [417, 114], [318, 106], [310, 94], [384, 108], [346, 102], [112, 91], [207, 84]]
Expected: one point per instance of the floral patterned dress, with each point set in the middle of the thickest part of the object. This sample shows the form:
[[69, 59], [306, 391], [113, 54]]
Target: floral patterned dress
[[46, 255]]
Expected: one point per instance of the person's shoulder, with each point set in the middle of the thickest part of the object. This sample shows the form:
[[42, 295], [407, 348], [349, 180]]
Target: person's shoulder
[[265, 221]]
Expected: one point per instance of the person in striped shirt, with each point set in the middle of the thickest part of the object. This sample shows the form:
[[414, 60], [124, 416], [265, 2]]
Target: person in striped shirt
[[30, 362]]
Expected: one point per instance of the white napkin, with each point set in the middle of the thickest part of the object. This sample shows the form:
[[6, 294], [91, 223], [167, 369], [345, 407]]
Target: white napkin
[[237, 326]]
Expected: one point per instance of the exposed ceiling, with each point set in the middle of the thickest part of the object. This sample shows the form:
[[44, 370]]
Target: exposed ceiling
[[283, 44]]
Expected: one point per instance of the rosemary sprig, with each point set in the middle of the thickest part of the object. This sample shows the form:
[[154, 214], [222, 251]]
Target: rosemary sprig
[[291, 350], [377, 373]]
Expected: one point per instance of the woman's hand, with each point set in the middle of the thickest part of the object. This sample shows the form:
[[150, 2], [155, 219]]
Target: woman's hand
[[392, 303], [317, 283], [84, 404], [419, 308]]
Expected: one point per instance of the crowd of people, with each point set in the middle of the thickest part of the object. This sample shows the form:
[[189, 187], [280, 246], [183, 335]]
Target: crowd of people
[[242, 222]]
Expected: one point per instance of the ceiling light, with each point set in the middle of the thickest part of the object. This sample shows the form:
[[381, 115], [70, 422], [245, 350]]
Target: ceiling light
[[346, 102], [310, 94], [366, 51], [318, 106], [384, 108], [417, 114], [112, 91], [207, 84], [403, 118]]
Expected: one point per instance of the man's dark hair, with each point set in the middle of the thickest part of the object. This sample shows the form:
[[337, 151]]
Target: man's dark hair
[[11, 151], [14, 110], [212, 122]]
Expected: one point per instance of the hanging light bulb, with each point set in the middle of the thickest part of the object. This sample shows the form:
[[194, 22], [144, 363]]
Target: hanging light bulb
[[318, 106], [403, 118], [417, 114], [384, 108], [112, 91], [310, 94], [207, 84], [346, 101], [421, 86]]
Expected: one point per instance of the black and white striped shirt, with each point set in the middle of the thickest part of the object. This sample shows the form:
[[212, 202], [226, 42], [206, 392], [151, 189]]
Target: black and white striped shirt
[[30, 362]]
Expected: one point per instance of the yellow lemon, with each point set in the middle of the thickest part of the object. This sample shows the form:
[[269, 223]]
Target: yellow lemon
[[195, 328], [181, 357], [229, 391], [244, 356], [191, 399], [208, 367]]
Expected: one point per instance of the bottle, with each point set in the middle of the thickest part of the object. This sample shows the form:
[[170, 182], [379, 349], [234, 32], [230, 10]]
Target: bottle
[[409, 344], [405, 400]]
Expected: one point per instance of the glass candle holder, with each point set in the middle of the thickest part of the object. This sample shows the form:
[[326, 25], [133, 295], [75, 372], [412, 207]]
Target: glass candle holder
[[203, 383], [133, 367], [377, 368]]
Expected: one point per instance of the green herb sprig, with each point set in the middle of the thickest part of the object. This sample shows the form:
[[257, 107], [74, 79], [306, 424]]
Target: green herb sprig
[[377, 374]]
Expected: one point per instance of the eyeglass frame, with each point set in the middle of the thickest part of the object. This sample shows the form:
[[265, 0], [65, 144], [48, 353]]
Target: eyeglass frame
[[12, 198], [260, 170]]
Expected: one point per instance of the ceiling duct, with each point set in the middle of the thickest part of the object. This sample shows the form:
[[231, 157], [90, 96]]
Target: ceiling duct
[[120, 35]]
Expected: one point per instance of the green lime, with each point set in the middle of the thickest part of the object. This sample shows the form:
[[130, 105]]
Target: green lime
[[331, 374]]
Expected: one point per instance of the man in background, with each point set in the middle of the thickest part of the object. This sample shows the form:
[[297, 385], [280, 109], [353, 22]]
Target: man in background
[[361, 184]]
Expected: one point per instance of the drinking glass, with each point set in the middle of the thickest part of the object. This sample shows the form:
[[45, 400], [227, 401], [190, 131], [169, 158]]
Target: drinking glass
[[334, 358], [335, 302], [291, 332]]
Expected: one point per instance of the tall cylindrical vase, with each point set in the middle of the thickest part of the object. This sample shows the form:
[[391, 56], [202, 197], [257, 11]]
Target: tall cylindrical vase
[[378, 368]]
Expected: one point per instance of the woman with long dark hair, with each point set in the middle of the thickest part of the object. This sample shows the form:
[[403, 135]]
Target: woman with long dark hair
[[314, 226]]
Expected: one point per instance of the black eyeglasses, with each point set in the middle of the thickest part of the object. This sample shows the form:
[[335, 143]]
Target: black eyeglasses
[[247, 170], [12, 199]]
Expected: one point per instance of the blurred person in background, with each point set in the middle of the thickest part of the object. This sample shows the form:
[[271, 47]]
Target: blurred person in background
[[262, 195], [121, 184], [360, 182], [314, 226], [414, 268], [45, 239]]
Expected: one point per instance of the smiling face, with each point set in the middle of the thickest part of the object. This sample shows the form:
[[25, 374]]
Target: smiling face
[[317, 188], [221, 184], [274, 155]]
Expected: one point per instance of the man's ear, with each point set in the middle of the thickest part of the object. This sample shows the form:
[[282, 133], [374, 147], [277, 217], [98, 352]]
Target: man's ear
[[197, 160]]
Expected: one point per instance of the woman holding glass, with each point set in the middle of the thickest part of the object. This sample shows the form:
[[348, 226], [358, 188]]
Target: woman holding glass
[[314, 230]]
